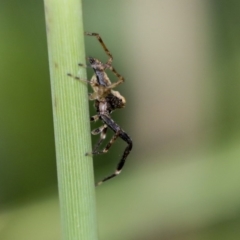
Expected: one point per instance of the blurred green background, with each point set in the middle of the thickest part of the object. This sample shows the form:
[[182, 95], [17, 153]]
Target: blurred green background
[[181, 64]]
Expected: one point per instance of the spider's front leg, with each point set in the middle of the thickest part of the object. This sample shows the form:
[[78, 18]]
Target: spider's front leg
[[119, 76], [78, 78], [109, 62]]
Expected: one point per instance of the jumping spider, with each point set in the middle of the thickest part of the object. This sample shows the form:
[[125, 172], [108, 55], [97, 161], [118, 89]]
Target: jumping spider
[[106, 100]]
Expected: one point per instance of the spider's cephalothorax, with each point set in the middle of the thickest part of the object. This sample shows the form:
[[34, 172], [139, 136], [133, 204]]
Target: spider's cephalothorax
[[106, 101]]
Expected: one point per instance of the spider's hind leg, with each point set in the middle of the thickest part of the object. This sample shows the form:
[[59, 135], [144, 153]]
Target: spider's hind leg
[[103, 131], [124, 136], [105, 150], [121, 163], [94, 118]]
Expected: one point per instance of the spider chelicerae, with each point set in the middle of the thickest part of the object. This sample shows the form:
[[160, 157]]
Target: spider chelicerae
[[106, 100]]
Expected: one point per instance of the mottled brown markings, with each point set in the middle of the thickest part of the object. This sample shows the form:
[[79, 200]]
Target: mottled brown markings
[[106, 100]]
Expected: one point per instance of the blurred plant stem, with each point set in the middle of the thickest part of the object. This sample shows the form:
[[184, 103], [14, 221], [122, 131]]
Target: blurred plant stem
[[71, 119]]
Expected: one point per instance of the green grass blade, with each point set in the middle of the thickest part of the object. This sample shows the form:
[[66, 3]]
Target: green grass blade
[[71, 119]]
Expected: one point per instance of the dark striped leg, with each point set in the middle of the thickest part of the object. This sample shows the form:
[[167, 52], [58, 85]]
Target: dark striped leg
[[109, 62], [105, 150], [103, 131], [120, 78], [120, 165], [78, 78], [91, 96]]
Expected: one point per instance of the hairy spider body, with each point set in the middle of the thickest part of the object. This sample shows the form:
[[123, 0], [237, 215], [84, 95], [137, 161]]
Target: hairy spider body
[[106, 101]]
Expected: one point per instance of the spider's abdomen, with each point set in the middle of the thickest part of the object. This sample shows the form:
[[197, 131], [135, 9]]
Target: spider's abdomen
[[115, 101]]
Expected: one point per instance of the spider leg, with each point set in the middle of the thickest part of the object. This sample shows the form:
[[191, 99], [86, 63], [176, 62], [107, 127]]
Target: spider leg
[[121, 163], [124, 136], [105, 150], [103, 45], [78, 78], [99, 130], [120, 77], [84, 65], [94, 118], [109, 62], [103, 131]]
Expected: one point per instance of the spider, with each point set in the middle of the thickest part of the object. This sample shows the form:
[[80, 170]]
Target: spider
[[106, 100]]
